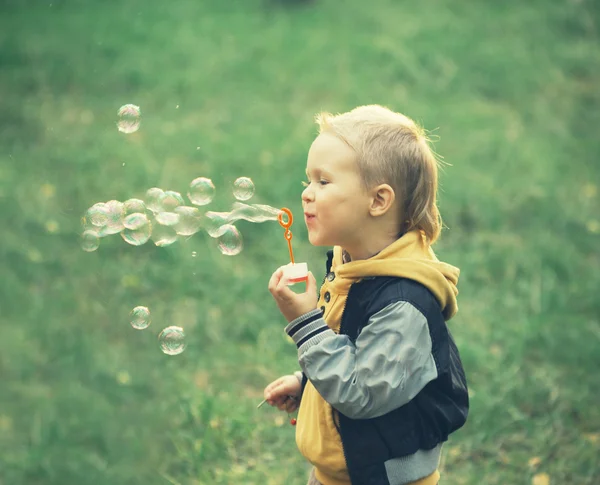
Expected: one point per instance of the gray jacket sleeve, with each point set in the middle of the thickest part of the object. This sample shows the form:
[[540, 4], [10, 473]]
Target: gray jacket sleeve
[[387, 366]]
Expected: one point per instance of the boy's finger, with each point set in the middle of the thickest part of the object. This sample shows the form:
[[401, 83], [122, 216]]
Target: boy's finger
[[269, 389], [273, 282], [275, 279], [273, 387], [283, 290], [280, 392], [283, 405], [271, 394], [275, 383], [311, 284]]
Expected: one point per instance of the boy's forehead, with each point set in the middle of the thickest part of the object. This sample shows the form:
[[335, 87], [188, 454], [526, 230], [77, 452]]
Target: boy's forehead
[[329, 151]]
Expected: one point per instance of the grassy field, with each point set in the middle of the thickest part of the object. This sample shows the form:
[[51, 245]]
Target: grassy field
[[229, 89]]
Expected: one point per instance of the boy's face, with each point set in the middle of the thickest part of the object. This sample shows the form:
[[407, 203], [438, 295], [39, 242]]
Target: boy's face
[[336, 206]]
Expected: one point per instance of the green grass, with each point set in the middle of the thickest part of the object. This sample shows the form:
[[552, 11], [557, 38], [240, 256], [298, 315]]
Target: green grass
[[510, 88]]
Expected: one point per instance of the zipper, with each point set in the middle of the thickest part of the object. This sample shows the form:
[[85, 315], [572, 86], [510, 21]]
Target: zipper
[[334, 415], [345, 306]]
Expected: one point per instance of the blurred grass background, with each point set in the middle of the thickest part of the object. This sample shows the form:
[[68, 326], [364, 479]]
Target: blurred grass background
[[229, 89]]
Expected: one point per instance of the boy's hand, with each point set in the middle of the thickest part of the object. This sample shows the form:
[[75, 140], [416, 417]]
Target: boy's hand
[[290, 304], [279, 392]]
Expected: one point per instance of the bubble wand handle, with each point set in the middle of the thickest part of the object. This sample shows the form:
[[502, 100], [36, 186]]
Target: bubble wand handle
[[286, 225], [294, 272]]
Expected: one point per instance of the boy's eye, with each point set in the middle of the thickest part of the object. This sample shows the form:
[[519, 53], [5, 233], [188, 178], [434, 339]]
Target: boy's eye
[[321, 182]]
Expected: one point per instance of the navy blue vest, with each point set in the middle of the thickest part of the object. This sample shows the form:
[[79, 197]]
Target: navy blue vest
[[439, 409]]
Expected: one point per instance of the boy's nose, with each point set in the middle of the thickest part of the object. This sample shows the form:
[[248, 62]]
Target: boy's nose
[[307, 195]]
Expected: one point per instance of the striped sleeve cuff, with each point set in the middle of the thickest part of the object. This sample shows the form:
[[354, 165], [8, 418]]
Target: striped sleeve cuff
[[308, 330]]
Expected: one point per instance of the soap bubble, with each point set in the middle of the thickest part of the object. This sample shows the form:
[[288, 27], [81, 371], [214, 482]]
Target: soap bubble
[[90, 241], [163, 235], [153, 198], [129, 118], [254, 212], [97, 215], [167, 218], [139, 317], [171, 340], [190, 220], [133, 205], [230, 241], [202, 191], [86, 225], [215, 223], [135, 221], [163, 232], [169, 200], [137, 229], [114, 224], [243, 188]]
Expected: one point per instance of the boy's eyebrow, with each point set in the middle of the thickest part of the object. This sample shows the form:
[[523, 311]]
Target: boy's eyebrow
[[317, 171]]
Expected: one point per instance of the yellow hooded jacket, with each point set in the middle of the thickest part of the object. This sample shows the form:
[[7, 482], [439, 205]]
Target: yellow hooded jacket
[[409, 257]]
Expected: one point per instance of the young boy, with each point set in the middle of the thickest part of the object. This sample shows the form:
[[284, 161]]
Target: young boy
[[382, 385]]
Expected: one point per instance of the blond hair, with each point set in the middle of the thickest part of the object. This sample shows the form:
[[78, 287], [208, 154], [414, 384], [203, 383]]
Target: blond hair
[[391, 148]]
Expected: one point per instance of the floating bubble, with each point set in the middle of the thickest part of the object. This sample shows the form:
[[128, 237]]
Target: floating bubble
[[202, 191], [90, 241], [230, 241], [169, 200], [215, 223], [139, 317], [135, 221], [190, 220], [194, 254], [153, 199], [163, 235], [254, 212], [267, 212], [133, 205], [243, 188], [114, 223], [137, 229], [129, 118], [172, 340], [86, 225], [97, 215], [163, 232], [167, 218]]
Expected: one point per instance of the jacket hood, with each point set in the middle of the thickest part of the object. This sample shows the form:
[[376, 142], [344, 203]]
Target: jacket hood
[[408, 257]]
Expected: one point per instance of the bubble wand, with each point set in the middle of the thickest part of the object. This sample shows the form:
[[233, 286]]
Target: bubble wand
[[293, 272]]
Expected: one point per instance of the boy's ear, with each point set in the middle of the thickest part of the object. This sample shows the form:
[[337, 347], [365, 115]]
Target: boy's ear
[[382, 200]]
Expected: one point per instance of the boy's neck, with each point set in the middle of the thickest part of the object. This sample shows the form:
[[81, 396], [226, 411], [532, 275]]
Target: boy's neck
[[367, 249]]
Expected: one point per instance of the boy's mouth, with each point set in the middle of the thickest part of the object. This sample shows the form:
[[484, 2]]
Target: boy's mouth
[[308, 217]]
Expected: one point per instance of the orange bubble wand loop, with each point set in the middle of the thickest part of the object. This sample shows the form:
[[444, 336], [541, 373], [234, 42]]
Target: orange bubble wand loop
[[286, 225]]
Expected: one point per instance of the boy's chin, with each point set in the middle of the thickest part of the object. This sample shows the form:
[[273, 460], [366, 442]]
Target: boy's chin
[[318, 241], [314, 240]]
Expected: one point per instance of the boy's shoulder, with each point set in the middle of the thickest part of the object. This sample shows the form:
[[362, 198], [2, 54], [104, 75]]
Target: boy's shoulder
[[371, 296], [374, 293]]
